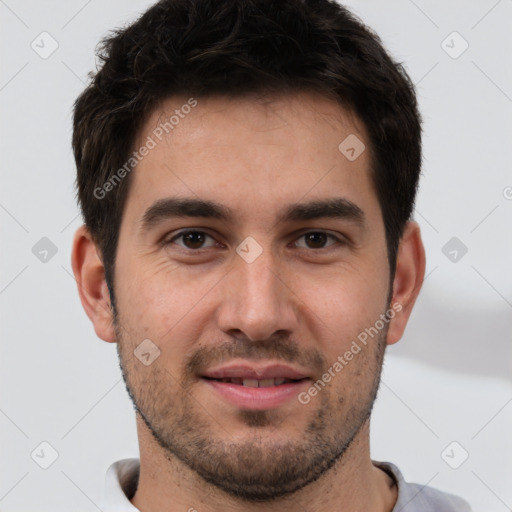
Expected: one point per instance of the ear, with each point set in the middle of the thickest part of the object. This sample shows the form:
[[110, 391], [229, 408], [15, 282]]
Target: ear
[[409, 275], [90, 276]]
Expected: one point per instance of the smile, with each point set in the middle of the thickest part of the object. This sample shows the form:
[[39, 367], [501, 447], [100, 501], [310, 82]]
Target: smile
[[255, 383], [256, 387]]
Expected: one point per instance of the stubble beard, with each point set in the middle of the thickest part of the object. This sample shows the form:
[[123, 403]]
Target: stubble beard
[[258, 469]]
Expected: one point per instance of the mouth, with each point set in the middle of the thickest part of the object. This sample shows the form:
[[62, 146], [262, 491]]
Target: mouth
[[256, 387], [256, 383]]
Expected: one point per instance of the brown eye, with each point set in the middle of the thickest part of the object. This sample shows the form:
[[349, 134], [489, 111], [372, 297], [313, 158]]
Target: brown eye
[[317, 240], [194, 239], [191, 240]]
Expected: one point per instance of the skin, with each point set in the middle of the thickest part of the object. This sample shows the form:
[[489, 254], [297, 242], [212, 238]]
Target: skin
[[298, 302]]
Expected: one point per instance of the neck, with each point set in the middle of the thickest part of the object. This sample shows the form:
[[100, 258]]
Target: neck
[[165, 483]]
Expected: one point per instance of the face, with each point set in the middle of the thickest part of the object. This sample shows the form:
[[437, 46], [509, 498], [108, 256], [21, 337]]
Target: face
[[252, 255]]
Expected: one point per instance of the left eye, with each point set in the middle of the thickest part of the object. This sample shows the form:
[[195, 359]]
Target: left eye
[[317, 239], [191, 239]]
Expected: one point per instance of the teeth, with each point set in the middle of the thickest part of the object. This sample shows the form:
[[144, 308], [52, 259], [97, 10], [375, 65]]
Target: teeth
[[264, 383], [251, 383], [255, 383]]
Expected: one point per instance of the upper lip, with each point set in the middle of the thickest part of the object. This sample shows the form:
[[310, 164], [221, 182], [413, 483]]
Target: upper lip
[[255, 371]]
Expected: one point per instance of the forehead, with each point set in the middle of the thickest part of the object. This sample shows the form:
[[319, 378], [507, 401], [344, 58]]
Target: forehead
[[252, 154]]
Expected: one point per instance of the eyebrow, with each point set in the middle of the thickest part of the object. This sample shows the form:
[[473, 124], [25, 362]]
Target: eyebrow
[[172, 207], [337, 208]]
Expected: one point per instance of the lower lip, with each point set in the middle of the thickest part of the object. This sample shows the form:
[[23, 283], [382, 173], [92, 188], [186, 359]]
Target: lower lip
[[257, 399]]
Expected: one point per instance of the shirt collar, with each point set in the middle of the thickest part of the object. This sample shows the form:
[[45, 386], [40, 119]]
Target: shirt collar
[[120, 485]]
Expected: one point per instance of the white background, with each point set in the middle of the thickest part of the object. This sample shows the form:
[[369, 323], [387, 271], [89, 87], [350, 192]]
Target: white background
[[449, 378]]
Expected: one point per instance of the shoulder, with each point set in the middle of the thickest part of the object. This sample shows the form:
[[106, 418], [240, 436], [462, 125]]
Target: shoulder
[[414, 497]]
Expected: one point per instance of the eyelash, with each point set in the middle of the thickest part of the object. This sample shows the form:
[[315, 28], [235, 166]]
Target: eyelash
[[167, 242]]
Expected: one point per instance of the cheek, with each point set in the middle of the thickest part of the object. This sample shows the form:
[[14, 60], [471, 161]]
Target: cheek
[[161, 301], [344, 300]]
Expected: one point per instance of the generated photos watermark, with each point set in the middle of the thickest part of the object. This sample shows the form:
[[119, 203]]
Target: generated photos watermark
[[355, 348], [151, 142]]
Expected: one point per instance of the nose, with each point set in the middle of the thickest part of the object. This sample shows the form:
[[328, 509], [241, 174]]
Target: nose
[[257, 299]]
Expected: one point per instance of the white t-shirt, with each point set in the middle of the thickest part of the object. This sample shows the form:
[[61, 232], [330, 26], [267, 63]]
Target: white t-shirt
[[122, 478]]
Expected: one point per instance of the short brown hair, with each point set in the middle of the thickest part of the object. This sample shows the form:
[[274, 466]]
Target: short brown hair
[[234, 47]]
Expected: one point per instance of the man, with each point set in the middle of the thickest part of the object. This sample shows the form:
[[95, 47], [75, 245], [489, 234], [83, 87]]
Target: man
[[247, 172]]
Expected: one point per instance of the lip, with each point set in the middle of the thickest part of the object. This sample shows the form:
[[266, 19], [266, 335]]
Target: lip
[[257, 399], [255, 371]]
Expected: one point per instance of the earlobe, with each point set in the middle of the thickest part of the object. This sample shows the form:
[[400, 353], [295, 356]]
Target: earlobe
[[409, 275], [92, 288]]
